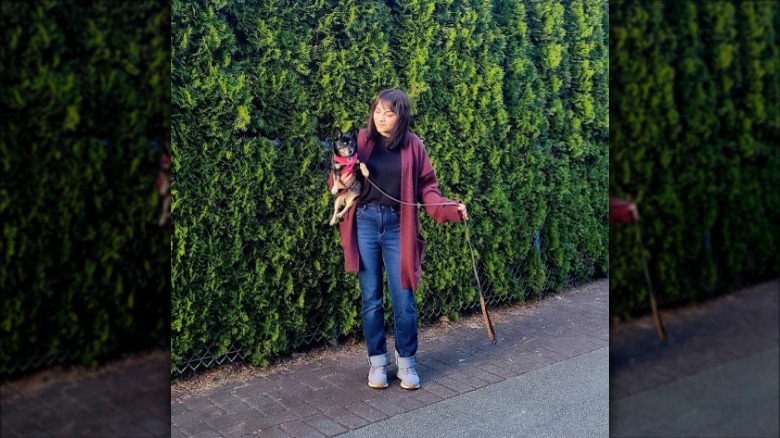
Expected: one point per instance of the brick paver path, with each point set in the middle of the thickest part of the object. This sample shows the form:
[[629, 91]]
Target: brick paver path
[[128, 398], [330, 396], [700, 337]]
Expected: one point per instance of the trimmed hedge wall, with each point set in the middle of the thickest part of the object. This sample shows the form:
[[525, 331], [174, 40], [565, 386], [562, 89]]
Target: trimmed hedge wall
[[85, 269], [509, 96], [694, 135]]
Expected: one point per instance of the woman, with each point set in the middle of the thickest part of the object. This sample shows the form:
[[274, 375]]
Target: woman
[[383, 233]]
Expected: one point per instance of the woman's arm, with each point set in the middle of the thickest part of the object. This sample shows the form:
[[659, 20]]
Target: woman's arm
[[428, 193]]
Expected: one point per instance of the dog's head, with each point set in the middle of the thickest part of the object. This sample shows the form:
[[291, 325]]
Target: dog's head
[[345, 144]]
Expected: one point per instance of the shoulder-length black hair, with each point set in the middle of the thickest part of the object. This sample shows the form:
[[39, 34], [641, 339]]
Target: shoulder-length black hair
[[398, 102]]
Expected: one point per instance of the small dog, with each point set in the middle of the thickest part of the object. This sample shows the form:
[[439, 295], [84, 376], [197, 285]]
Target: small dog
[[345, 161]]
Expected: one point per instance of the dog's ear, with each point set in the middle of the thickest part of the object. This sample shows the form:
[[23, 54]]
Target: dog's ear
[[337, 133], [354, 131]]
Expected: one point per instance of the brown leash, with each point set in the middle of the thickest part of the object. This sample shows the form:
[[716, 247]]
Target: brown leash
[[659, 324], [485, 315]]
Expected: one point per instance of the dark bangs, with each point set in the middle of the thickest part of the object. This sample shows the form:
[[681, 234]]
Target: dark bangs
[[398, 102]]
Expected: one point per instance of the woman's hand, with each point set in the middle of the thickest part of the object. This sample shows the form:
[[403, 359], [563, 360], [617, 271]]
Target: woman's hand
[[348, 179], [462, 211], [634, 211]]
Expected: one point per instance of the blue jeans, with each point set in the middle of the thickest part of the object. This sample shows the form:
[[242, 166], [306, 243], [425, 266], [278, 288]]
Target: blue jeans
[[379, 243]]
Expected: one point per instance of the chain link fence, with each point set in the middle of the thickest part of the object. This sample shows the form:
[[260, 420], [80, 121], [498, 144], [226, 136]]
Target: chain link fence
[[426, 311], [36, 362], [42, 360]]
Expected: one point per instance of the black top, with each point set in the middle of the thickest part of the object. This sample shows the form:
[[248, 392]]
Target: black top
[[384, 169]]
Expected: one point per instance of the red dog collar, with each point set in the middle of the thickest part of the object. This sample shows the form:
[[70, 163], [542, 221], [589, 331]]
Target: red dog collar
[[349, 163]]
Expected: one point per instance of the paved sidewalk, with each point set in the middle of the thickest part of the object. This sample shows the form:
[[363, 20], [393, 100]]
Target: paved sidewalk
[[566, 399], [330, 396], [717, 375], [736, 399], [127, 398]]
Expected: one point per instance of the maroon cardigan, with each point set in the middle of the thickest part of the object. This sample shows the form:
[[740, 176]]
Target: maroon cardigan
[[418, 184]]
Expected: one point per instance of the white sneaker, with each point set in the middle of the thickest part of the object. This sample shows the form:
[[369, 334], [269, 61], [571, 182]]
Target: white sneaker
[[377, 377], [409, 378]]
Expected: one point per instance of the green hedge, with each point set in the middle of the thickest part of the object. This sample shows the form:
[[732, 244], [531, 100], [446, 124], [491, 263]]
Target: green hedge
[[510, 98], [694, 140], [85, 268]]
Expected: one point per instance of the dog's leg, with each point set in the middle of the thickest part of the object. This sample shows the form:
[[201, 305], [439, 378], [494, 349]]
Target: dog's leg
[[336, 183], [364, 169], [349, 201], [336, 204], [166, 211], [335, 189]]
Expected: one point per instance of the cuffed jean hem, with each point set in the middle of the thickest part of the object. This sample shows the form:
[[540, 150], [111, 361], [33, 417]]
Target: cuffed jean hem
[[405, 362], [378, 360]]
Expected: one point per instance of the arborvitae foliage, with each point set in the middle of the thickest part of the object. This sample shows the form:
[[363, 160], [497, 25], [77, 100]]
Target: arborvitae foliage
[[693, 142], [258, 87], [524, 178], [86, 92], [752, 151], [558, 44], [587, 114], [696, 157]]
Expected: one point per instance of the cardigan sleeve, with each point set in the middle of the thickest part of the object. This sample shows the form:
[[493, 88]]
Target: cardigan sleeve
[[428, 191], [621, 210]]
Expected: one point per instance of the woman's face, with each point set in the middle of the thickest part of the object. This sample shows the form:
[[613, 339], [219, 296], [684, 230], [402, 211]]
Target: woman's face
[[384, 119]]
